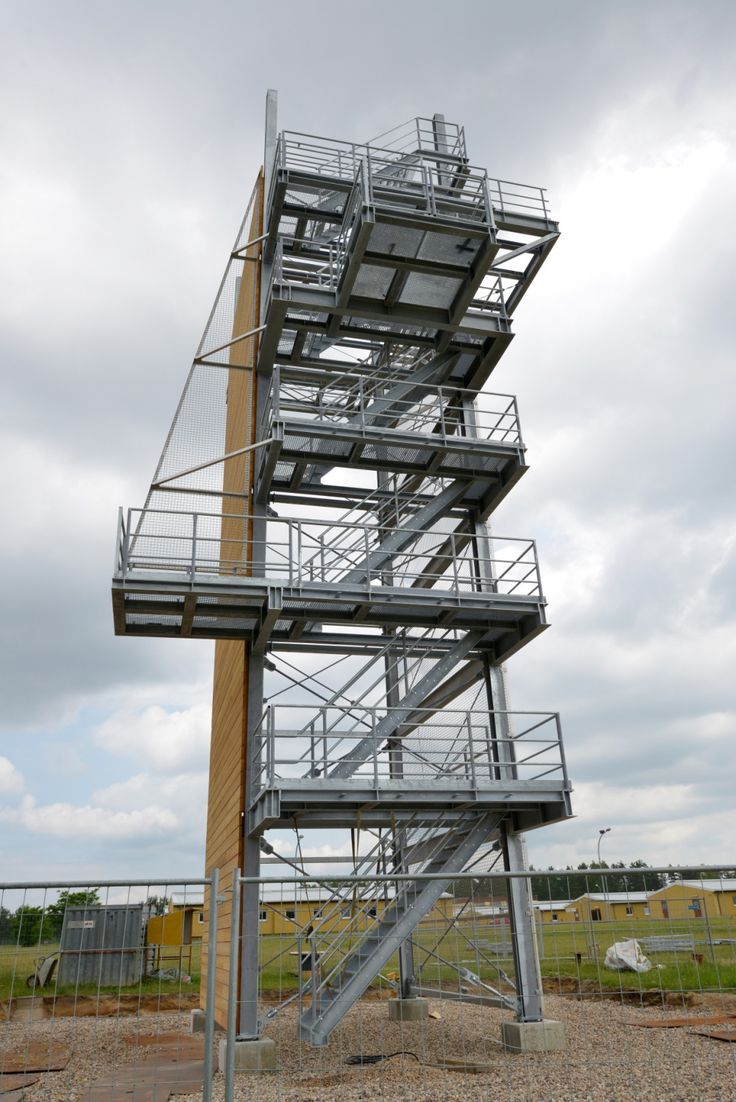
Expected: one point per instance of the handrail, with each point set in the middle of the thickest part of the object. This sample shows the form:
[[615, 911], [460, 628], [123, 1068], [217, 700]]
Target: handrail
[[457, 746], [344, 548], [340, 160], [427, 409]]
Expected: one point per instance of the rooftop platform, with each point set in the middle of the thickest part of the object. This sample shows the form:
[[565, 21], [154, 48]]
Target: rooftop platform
[[409, 244]]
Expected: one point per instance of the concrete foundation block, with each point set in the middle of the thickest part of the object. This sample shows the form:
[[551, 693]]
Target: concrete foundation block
[[408, 1010], [545, 1036], [198, 1021], [251, 1056], [28, 1009]]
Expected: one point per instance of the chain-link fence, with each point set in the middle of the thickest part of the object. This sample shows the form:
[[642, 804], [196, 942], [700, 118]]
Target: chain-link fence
[[638, 966], [102, 986], [99, 982]]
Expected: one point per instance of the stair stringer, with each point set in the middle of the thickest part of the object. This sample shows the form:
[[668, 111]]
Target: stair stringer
[[396, 924]]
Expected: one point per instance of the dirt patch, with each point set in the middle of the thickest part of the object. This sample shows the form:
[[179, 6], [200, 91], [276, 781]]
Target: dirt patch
[[35, 1055], [679, 1023], [589, 989], [92, 1006], [16, 1082], [717, 1034]]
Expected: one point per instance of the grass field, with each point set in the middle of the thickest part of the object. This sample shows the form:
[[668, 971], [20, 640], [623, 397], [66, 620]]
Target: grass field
[[17, 963], [570, 952]]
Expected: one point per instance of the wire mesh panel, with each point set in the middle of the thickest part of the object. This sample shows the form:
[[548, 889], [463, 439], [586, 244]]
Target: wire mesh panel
[[99, 983], [666, 1018]]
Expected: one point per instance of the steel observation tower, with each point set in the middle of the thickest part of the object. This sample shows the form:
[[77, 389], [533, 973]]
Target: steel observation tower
[[321, 510]]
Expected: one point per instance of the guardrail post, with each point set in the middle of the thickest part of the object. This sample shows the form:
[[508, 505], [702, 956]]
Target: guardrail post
[[209, 1008], [232, 987], [533, 546], [126, 541], [270, 744], [471, 749], [193, 562], [119, 540]]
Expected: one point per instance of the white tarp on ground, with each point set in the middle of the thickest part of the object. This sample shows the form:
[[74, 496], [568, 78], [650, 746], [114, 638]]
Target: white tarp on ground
[[626, 956]]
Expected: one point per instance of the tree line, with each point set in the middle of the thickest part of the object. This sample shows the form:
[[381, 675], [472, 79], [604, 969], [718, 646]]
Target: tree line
[[595, 877], [33, 925]]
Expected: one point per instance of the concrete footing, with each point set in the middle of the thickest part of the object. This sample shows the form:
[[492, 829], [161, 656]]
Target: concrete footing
[[198, 1021], [545, 1036], [28, 1009], [253, 1056], [408, 1010]]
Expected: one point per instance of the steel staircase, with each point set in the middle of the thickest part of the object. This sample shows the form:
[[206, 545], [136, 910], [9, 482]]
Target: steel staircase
[[350, 521], [339, 984]]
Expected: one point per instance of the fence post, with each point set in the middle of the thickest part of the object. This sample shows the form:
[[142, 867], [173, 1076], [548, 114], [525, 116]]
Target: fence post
[[209, 1009], [232, 988]]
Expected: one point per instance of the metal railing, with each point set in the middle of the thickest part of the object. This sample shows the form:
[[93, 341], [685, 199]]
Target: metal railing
[[304, 263], [300, 551], [424, 134], [464, 950], [682, 920], [81, 962], [420, 174], [466, 749], [362, 403]]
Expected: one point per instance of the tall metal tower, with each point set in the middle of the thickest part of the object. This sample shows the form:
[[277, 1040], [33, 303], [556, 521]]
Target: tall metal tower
[[320, 509]]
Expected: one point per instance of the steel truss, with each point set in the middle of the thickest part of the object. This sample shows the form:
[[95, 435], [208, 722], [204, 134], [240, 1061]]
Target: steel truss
[[389, 273]]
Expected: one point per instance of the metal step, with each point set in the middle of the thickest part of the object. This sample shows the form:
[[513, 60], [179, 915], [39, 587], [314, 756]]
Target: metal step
[[338, 992]]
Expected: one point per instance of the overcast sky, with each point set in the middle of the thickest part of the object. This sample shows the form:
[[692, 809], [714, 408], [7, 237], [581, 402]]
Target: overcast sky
[[130, 136]]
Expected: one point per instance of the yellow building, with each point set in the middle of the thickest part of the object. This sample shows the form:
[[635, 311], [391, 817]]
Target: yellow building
[[172, 935], [694, 899], [293, 916], [556, 911], [610, 906], [682, 899]]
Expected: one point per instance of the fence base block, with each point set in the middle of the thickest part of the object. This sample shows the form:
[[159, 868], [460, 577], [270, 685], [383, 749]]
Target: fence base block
[[408, 1010], [252, 1056], [28, 1009], [546, 1036], [198, 1021]]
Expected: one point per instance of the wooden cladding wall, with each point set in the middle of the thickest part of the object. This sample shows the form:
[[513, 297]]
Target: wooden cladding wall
[[226, 800]]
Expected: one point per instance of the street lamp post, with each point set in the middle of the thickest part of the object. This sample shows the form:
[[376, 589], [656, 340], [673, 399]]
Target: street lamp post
[[601, 832]]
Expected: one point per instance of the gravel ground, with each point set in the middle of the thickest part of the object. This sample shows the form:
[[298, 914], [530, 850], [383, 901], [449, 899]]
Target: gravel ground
[[97, 1045], [606, 1058]]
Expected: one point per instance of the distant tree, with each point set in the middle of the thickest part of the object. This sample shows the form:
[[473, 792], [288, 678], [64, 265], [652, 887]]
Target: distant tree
[[89, 897], [701, 874], [594, 878], [158, 904], [31, 926], [54, 921], [646, 881], [6, 924]]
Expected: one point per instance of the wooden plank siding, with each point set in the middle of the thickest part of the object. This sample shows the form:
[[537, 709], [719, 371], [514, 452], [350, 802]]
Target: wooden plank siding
[[226, 798]]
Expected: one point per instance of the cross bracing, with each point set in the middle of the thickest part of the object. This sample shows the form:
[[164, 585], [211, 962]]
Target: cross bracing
[[323, 497]]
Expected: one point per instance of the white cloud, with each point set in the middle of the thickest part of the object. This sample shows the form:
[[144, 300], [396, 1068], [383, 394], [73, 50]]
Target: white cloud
[[597, 801], [11, 781], [164, 741], [91, 822], [183, 795]]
